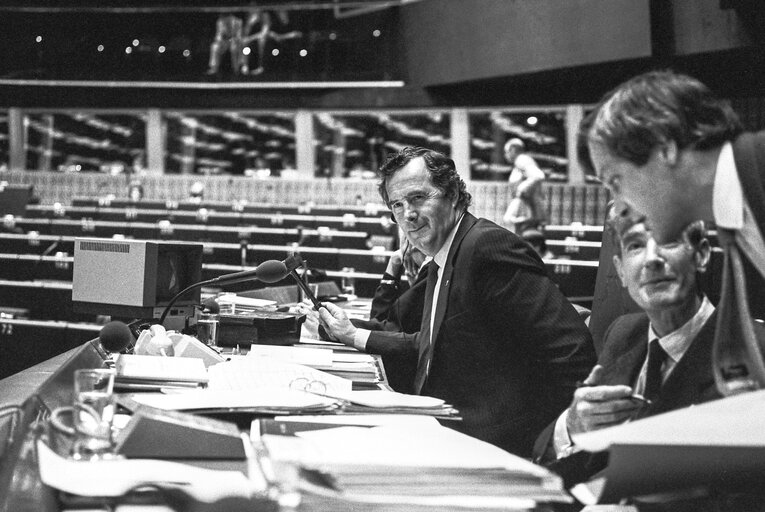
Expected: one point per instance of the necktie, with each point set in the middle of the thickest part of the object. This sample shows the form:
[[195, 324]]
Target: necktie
[[653, 377], [737, 361], [425, 348]]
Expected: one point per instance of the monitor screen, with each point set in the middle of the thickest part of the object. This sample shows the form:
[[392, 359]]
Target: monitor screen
[[148, 275]]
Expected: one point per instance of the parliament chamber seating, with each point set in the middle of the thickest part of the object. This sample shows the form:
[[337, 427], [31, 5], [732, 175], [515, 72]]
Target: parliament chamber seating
[[335, 240]]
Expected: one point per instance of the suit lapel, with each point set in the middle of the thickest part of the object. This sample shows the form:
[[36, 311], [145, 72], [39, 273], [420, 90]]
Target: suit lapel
[[468, 221], [629, 355], [692, 376]]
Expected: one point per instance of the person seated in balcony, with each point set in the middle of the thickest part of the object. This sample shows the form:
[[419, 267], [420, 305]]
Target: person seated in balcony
[[135, 191], [197, 192]]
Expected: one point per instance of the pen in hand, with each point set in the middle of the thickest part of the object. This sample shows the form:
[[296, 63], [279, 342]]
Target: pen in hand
[[593, 379]]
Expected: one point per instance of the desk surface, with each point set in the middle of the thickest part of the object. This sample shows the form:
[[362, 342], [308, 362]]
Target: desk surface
[[32, 394]]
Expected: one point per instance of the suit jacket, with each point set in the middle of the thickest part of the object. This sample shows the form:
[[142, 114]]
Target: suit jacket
[[749, 155], [396, 311], [508, 347], [624, 351]]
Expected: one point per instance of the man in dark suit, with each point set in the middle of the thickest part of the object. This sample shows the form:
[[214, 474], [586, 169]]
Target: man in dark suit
[[663, 354], [498, 340], [663, 144], [397, 307]]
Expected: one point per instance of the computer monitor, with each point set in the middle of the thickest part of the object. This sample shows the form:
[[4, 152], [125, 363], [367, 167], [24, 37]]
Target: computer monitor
[[135, 278]]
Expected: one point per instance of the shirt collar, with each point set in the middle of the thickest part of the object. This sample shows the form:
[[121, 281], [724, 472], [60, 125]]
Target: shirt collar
[[676, 343], [443, 252], [727, 196]]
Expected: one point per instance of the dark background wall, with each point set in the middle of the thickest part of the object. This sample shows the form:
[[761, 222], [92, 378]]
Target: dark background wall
[[452, 41], [499, 52]]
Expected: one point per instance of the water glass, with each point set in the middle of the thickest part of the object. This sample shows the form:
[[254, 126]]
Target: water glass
[[93, 413], [207, 328]]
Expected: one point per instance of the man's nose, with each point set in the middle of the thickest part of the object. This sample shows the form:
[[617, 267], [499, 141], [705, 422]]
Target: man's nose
[[410, 212], [653, 256]]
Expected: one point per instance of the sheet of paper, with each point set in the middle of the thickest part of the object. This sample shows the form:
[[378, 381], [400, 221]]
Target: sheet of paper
[[227, 399], [384, 399], [300, 355], [259, 373], [733, 421], [436, 446], [365, 420], [352, 357], [161, 368], [116, 477]]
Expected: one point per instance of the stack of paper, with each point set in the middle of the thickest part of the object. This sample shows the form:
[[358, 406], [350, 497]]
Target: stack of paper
[[391, 402], [397, 461], [148, 373], [354, 366], [259, 373], [263, 401]]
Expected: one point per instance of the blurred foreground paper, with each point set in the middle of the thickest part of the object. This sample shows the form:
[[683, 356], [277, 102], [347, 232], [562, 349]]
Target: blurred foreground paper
[[719, 444], [117, 477], [433, 464]]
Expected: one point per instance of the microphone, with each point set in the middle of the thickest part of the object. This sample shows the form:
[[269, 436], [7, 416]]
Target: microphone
[[115, 336], [270, 271], [211, 305]]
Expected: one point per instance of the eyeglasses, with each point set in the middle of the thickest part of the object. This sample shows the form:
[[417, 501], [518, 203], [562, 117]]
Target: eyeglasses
[[311, 386], [415, 200]]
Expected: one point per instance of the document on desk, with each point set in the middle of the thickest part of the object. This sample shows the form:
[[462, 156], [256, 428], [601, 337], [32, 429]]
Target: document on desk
[[718, 443], [108, 478], [314, 357], [263, 401], [396, 460], [256, 373], [154, 372]]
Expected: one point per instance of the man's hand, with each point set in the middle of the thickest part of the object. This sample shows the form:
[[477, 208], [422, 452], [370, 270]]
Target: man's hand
[[337, 324], [595, 406], [310, 328]]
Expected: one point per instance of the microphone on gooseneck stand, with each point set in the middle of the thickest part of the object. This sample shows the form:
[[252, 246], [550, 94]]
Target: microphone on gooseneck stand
[[270, 271]]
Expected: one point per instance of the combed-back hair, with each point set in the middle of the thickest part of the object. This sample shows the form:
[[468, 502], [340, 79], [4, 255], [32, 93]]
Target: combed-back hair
[[654, 108], [443, 173]]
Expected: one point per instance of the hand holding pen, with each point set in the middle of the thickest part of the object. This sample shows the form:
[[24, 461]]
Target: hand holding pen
[[597, 406]]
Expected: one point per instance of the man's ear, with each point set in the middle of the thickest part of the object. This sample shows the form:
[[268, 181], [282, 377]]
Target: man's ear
[[703, 255], [619, 269], [669, 152]]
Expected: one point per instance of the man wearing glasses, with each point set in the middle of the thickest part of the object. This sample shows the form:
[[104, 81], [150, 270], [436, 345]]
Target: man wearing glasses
[[497, 340]]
